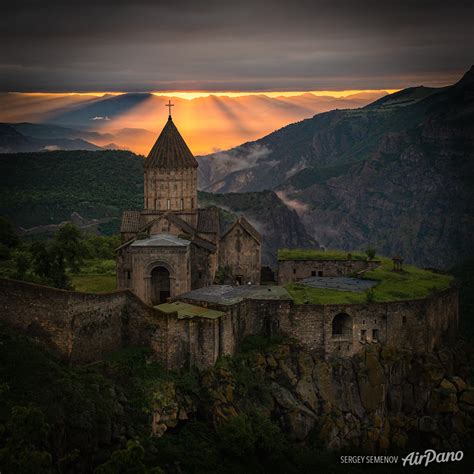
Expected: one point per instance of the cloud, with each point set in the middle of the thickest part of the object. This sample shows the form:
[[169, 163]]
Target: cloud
[[150, 45], [298, 206], [240, 159]]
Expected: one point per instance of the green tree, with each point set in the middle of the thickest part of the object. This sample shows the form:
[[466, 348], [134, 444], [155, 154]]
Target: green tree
[[8, 235], [370, 252], [24, 438], [127, 461], [237, 437], [22, 260], [69, 243], [100, 246], [49, 264]]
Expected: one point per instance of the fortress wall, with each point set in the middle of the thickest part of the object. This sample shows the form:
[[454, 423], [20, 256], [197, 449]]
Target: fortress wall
[[305, 323], [246, 318], [442, 318], [97, 325], [295, 270], [82, 327], [417, 325], [79, 327]]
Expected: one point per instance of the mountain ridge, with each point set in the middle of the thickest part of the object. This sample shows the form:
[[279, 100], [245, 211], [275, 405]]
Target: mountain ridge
[[350, 174]]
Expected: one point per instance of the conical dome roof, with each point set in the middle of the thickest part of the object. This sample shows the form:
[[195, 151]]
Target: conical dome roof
[[170, 150]]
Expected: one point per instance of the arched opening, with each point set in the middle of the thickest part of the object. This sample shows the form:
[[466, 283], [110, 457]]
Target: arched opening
[[342, 326], [160, 285]]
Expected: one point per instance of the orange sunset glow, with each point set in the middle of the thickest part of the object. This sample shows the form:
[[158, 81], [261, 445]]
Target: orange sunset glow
[[209, 122]]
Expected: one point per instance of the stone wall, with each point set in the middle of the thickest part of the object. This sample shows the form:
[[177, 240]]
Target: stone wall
[[171, 190], [295, 270], [241, 254], [416, 325], [82, 327], [174, 259]]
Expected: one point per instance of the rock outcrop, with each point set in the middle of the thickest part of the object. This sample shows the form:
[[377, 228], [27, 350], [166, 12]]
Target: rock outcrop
[[379, 400]]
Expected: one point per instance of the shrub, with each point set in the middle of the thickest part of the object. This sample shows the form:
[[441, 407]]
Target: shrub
[[370, 252], [370, 295]]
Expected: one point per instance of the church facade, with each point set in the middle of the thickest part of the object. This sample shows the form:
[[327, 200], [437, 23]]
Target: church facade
[[172, 246]]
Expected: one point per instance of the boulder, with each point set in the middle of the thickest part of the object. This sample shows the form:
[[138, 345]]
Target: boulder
[[323, 381], [307, 394], [442, 401], [448, 386], [288, 372], [283, 397], [459, 383], [427, 424], [298, 423], [467, 396]]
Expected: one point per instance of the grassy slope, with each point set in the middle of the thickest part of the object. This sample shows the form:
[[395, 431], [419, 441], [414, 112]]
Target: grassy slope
[[313, 254], [96, 276], [94, 283], [412, 283]]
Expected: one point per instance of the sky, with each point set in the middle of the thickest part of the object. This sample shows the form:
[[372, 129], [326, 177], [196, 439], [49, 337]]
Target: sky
[[229, 45]]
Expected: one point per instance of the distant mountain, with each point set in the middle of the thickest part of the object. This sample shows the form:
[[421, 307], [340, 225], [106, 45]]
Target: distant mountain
[[49, 131], [38, 191], [12, 141], [397, 174], [115, 139], [207, 123], [105, 109]]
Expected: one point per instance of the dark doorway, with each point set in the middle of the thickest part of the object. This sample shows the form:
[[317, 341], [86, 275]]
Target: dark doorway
[[160, 285], [342, 326], [239, 279]]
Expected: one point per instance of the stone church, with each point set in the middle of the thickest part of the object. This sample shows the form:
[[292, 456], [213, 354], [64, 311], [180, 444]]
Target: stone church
[[172, 246]]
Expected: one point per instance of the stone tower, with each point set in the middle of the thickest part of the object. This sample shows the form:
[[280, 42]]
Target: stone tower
[[170, 182]]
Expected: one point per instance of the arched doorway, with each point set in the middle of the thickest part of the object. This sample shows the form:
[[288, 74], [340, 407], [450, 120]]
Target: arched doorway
[[342, 326], [160, 285]]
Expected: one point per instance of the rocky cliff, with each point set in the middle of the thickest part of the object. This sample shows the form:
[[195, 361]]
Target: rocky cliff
[[379, 401]]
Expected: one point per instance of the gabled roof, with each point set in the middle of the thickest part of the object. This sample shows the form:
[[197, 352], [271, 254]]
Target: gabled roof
[[170, 150], [130, 221], [208, 221], [182, 224], [161, 240], [204, 244], [250, 228], [245, 224]]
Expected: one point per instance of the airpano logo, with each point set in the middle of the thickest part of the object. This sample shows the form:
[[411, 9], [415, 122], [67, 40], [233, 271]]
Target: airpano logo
[[412, 459], [430, 456]]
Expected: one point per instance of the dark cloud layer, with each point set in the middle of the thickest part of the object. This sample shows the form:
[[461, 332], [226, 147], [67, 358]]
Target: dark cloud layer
[[232, 45]]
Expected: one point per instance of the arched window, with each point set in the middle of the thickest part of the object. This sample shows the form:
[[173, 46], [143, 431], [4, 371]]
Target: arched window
[[168, 204], [342, 326], [182, 204]]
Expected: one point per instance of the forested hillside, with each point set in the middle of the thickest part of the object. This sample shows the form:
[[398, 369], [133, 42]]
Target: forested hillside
[[46, 188], [397, 174]]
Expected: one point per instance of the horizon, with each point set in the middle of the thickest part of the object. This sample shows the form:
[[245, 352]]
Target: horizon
[[190, 95]]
